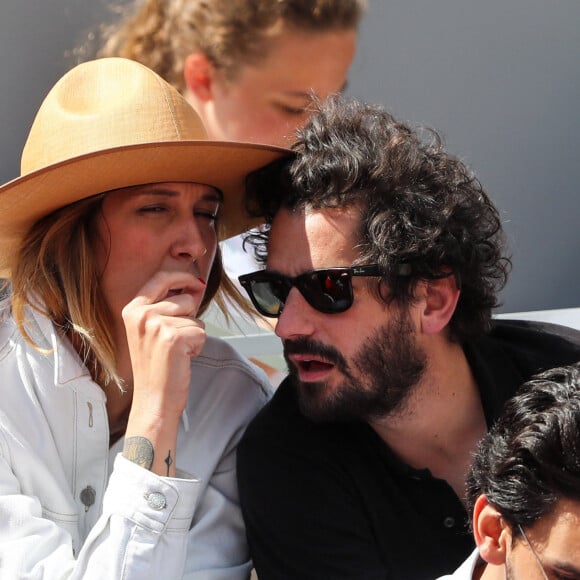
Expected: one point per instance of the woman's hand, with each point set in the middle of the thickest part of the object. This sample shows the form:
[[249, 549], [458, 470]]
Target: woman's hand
[[163, 334]]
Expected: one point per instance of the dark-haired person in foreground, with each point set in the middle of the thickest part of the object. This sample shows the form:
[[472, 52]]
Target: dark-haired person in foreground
[[524, 486], [384, 259]]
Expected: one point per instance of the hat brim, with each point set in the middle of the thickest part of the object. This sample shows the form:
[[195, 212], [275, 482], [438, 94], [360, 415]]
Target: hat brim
[[221, 164]]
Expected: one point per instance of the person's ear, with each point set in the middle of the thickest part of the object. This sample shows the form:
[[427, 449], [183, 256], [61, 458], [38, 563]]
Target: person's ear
[[491, 534], [439, 300], [198, 73]]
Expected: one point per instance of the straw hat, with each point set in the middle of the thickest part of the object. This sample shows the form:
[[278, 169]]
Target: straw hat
[[113, 123]]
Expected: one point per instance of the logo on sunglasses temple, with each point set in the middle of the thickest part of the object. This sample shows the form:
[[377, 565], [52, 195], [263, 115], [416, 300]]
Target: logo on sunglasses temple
[[371, 270]]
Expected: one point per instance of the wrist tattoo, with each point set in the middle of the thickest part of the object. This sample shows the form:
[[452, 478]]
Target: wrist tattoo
[[139, 450], [168, 462]]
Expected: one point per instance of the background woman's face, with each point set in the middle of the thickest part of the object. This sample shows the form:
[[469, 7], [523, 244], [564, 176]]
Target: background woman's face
[[265, 103]]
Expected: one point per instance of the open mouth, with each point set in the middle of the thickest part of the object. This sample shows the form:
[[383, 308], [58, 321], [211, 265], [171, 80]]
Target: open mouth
[[308, 366], [316, 365]]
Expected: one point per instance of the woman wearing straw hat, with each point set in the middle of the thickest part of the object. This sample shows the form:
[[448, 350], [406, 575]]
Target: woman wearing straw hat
[[119, 418], [248, 68]]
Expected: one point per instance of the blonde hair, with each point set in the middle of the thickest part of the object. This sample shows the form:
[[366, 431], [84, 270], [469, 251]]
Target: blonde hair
[[56, 273], [60, 279], [230, 33]]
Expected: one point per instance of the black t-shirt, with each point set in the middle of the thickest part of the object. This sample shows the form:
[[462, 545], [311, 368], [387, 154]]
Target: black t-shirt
[[330, 501]]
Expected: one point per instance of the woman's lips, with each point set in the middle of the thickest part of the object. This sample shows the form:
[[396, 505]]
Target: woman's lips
[[188, 289], [178, 291]]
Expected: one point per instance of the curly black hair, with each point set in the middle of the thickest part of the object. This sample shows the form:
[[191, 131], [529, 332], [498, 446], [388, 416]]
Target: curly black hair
[[531, 456], [424, 214]]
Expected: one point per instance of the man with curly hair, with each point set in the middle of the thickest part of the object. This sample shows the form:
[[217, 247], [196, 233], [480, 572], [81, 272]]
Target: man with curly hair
[[523, 488], [384, 258]]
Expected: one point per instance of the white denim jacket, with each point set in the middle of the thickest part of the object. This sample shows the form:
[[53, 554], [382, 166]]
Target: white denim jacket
[[70, 507]]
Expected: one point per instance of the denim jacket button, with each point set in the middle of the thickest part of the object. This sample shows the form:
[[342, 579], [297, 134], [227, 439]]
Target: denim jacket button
[[88, 496], [156, 500]]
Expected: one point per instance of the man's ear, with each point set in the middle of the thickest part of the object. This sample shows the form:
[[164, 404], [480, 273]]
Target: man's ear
[[491, 534], [439, 298], [198, 73]]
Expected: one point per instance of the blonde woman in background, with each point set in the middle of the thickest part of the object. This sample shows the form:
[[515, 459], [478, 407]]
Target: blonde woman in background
[[249, 68]]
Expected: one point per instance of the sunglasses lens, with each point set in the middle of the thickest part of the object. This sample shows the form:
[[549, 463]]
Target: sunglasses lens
[[269, 295], [329, 291]]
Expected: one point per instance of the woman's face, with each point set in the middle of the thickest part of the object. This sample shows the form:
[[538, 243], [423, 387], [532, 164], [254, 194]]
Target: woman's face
[[267, 102], [147, 229]]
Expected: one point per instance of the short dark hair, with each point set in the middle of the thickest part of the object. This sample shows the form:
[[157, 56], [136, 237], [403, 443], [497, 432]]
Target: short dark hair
[[531, 457], [423, 212]]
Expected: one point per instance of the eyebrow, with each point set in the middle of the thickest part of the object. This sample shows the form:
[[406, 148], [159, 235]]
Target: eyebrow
[[306, 95], [564, 567], [310, 95], [212, 195]]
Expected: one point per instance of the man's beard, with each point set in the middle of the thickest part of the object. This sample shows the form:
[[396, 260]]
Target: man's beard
[[378, 380]]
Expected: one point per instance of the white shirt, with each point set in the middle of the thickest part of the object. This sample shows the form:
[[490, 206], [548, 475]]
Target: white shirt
[[238, 260], [70, 507], [465, 571]]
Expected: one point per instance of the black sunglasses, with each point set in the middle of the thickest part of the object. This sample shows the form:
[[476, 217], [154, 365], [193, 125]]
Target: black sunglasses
[[329, 290]]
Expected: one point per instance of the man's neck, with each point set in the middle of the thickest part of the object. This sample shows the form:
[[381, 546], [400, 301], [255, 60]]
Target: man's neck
[[490, 572], [442, 421]]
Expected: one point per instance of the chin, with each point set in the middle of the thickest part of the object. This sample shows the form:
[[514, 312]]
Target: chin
[[320, 403]]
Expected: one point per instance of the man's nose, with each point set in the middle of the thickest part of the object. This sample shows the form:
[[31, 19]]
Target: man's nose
[[297, 317]]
